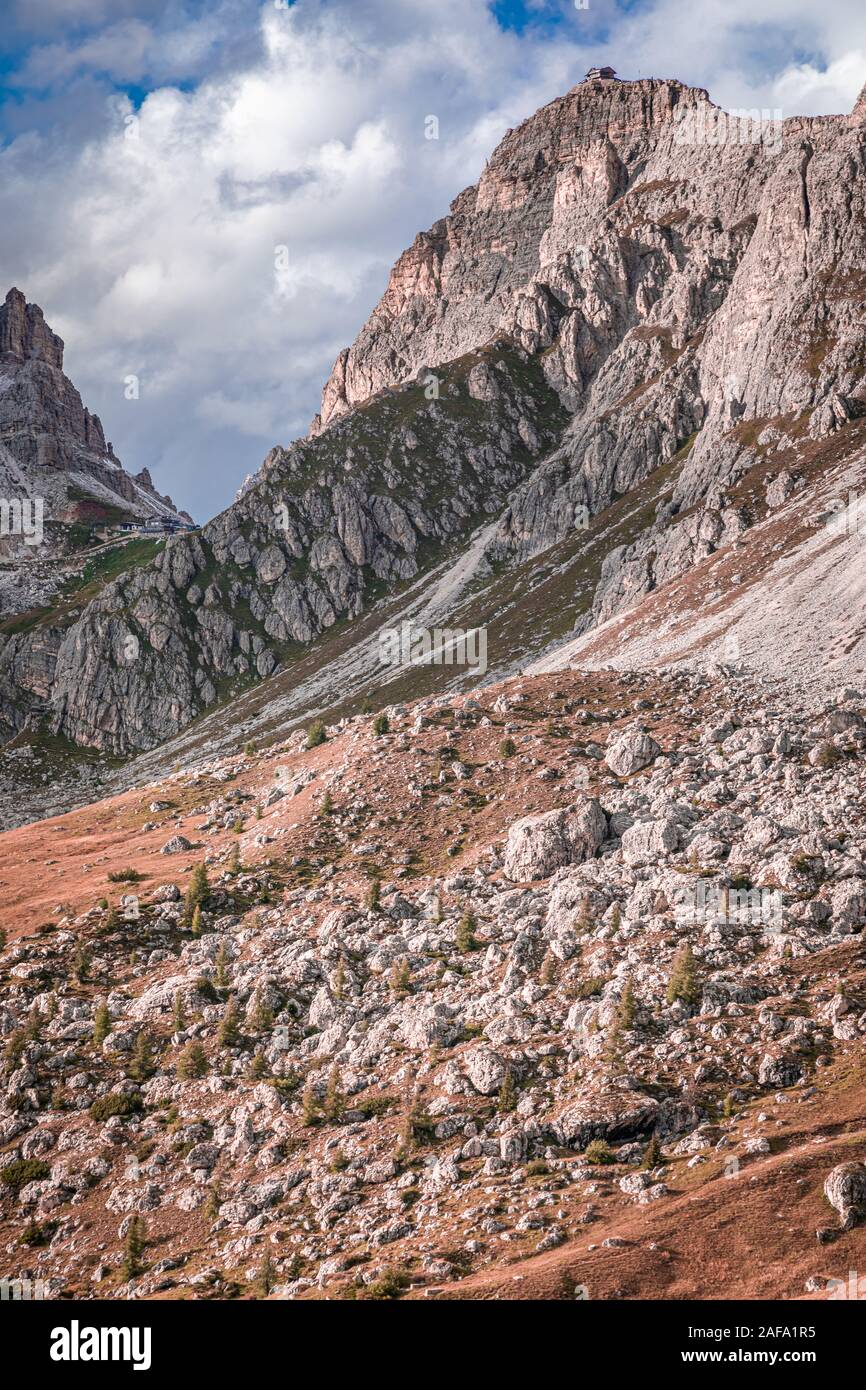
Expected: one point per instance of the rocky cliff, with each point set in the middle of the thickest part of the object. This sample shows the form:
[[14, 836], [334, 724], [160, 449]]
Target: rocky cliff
[[622, 295], [53, 452]]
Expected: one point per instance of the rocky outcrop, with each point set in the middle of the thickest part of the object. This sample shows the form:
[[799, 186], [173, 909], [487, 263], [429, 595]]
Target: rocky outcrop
[[327, 523]]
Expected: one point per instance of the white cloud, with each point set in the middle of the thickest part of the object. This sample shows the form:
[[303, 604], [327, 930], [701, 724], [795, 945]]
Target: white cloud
[[156, 254]]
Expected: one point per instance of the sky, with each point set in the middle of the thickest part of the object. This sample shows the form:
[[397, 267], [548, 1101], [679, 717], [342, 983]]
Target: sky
[[208, 195]]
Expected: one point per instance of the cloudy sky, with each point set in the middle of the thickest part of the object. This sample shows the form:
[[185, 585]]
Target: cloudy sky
[[154, 154]]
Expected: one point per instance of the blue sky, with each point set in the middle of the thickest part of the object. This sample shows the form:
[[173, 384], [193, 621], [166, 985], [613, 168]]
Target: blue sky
[[155, 153]]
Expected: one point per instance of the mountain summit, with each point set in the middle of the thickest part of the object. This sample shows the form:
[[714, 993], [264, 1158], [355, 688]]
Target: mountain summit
[[631, 350]]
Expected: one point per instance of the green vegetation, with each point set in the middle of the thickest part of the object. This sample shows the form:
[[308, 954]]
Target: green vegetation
[[115, 1103], [22, 1171]]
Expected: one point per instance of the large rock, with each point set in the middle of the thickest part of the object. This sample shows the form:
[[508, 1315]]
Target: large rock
[[630, 751], [848, 906], [486, 1070], [649, 841], [845, 1190], [538, 845]]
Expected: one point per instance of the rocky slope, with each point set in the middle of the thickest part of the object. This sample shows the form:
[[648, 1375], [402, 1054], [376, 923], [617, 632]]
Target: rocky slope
[[611, 305], [556, 992]]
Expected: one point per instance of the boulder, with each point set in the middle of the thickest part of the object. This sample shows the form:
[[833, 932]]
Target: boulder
[[538, 845], [845, 1190], [630, 751]]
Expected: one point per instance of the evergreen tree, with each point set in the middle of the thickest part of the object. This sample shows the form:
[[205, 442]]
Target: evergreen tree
[[142, 1065], [234, 864], [340, 980], [134, 1246], [683, 983], [400, 979], [179, 1019], [101, 1025], [265, 1278], [81, 963], [192, 1064], [380, 725], [652, 1153], [507, 1094], [465, 936], [547, 975], [195, 924], [507, 748], [327, 805], [335, 1100], [627, 1011], [374, 893], [197, 892], [316, 734], [258, 1067], [221, 967], [229, 1034], [262, 1018], [213, 1202]]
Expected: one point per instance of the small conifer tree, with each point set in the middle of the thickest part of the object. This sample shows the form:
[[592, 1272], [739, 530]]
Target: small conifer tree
[[683, 982], [229, 1033], [101, 1025], [192, 1064], [465, 936], [507, 1094]]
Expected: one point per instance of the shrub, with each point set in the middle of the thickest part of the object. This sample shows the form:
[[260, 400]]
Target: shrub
[[205, 987], [589, 987], [598, 1152], [381, 725], [507, 748], [125, 876], [35, 1235], [22, 1171], [115, 1103], [537, 1168], [392, 1284]]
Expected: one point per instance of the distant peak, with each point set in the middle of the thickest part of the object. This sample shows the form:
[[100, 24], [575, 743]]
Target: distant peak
[[24, 334]]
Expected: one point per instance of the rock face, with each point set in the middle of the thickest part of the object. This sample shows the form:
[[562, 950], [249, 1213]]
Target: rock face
[[50, 443], [618, 304]]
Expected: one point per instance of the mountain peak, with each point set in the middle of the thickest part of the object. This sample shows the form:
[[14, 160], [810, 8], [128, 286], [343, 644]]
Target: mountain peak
[[24, 334]]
